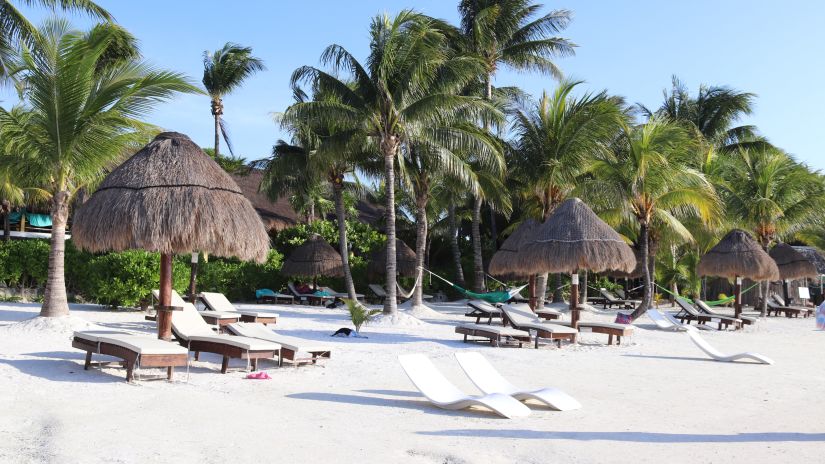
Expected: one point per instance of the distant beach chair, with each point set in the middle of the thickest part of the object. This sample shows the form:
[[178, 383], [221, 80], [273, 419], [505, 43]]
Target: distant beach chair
[[482, 309], [497, 335], [358, 296], [527, 321], [265, 295], [792, 310], [292, 349], [309, 297], [488, 380], [663, 322], [379, 292], [195, 334], [705, 308], [136, 351], [689, 313], [219, 303], [611, 300], [719, 356], [442, 393]]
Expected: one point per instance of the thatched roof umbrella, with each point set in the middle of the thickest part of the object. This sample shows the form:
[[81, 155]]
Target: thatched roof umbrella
[[736, 256], [405, 260], [312, 259], [505, 263], [792, 265], [572, 239], [170, 197]]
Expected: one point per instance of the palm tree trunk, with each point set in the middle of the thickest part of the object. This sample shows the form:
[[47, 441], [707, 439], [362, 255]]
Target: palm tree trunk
[[459, 271], [6, 209], [583, 299], [648, 294], [557, 292], [217, 135], [55, 302], [420, 242], [541, 290], [478, 258], [389, 146], [343, 248]]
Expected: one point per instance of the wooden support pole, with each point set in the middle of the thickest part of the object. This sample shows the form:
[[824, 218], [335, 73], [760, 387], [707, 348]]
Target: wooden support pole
[[574, 300], [738, 298], [164, 317]]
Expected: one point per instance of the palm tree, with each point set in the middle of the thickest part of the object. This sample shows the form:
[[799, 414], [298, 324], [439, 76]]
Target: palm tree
[[77, 119], [508, 33], [224, 71], [11, 193], [554, 141], [402, 97], [650, 179]]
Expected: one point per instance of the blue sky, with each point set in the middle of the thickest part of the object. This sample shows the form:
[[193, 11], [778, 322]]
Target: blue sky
[[631, 48]]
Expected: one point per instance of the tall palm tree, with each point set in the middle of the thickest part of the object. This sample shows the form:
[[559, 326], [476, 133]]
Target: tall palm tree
[[78, 118], [650, 178], [402, 96], [224, 71], [11, 193], [509, 33]]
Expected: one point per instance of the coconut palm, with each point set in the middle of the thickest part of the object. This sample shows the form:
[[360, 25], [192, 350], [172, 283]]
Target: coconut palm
[[11, 194], [403, 96], [650, 179], [224, 71], [77, 119]]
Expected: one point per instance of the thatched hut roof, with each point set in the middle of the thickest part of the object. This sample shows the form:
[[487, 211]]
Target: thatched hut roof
[[637, 271], [791, 263], [171, 197], [573, 238], [405, 260], [314, 258], [813, 256], [276, 215], [505, 262], [738, 254]]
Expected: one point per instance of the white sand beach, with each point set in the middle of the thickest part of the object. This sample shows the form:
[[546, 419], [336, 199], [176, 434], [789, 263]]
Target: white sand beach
[[655, 398]]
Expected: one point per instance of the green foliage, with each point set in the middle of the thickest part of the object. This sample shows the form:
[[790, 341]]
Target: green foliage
[[24, 263], [362, 237], [359, 314], [238, 280]]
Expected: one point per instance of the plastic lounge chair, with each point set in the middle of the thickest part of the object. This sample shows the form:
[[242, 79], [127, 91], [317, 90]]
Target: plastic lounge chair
[[689, 313], [611, 300], [219, 303], [716, 355], [195, 334], [136, 351], [488, 380], [497, 335], [482, 309], [663, 322], [442, 393], [527, 321], [292, 349], [705, 308]]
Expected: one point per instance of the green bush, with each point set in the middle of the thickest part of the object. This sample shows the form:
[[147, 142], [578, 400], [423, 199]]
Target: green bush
[[238, 280], [362, 238], [24, 263]]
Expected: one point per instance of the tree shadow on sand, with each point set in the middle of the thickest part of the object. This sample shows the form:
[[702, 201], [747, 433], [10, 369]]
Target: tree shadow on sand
[[635, 437]]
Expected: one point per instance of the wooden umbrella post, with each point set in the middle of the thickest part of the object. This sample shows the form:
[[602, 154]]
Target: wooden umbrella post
[[574, 300], [531, 283], [738, 298], [164, 310]]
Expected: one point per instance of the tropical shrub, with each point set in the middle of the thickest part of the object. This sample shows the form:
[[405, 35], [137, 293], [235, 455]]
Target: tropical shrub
[[236, 279], [359, 314], [24, 263]]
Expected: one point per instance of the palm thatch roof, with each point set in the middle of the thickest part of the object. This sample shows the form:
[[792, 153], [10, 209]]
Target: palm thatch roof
[[738, 254], [791, 263], [505, 262], [813, 256], [314, 258], [170, 197], [405, 260], [637, 271], [276, 215], [573, 238]]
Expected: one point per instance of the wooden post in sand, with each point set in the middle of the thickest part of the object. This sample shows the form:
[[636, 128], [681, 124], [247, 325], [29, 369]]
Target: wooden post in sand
[[164, 311], [737, 301], [574, 300]]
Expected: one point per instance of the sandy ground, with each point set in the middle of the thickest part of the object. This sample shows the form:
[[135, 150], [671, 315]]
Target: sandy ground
[[653, 399]]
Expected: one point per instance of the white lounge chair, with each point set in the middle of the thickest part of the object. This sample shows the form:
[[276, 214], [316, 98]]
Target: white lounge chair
[[442, 393], [292, 349], [217, 318], [719, 356], [488, 380], [482, 309], [136, 351], [217, 302], [663, 322], [525, 320], [542, 313]]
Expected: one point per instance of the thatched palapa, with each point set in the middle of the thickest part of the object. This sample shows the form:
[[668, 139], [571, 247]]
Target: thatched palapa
[[573, 238], [405, 260], [791, 263], [506, 262], [171, 197], [738, 255], [314, 258], [814, 256]]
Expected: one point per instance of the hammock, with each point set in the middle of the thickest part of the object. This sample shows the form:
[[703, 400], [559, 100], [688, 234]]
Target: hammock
[[709, 303], [412, 290], [490, 297]]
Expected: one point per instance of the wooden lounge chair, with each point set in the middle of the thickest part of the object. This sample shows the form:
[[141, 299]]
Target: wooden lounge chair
[[442, 393], [358, 296], [294, 350], [482, 309], [495, 334], [611, 300], [543, 313], [310, 298], [265, 295], [607, 328], [488, 380], [689, 313], [379, 292], [195, 334], [220, 319], [792, 310], [136, 351], [705, 308], [219, 303], [527, 321]]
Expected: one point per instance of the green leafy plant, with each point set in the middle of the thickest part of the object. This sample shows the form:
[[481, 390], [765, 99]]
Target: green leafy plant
[[359, 314]]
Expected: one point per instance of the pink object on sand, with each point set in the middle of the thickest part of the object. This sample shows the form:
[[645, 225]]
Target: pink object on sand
[[261, 375]]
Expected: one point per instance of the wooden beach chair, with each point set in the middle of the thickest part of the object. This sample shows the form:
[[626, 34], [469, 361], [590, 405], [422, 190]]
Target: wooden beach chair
[[379, 292], [442, 393], [611, 300], [792, 310], [310, 298], [294, 350], [689, 313], [548, 314], [497, 335], [217, 302], [136, 351], [527, 321], [481, 309], [219, 319], [488, 380], [705, 308], [265, 295], [358, 296], [195, 334]]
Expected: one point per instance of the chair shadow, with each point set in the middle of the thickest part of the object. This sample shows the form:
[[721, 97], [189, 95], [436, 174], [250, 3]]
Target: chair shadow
[[418, 405], [634, 437], [62, 370], [670, 358], [408, 394]]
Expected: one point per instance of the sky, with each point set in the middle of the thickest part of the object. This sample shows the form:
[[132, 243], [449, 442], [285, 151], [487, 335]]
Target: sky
[[630, 48]]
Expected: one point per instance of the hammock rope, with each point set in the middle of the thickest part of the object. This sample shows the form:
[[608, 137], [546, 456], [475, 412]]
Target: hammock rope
[[709, 303], [490, 297], [412, 290]]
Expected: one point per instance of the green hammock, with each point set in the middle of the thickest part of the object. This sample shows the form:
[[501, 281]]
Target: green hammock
[[489, 297], [709, 303]]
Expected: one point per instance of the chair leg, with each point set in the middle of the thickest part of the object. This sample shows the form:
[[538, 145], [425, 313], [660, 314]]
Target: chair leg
[[255, 364], [197, 355], [169, 372], [610, 339], [88, 361], [224, 364]]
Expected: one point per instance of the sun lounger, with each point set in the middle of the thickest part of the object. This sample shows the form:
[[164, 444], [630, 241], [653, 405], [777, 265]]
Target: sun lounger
[[482, 309], [611, 300], [294, 350], [217, 302], [379, 292], [496, 334], [442, 393], [663, 322], [265, 295], [689, 313], [310, 298], [705, 308], [136, 351], [488, 380], [527, 321], [358, 296], [219, 319], [718, 356], [195, 334], [543, 313], [607, 328], [790, 310]]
